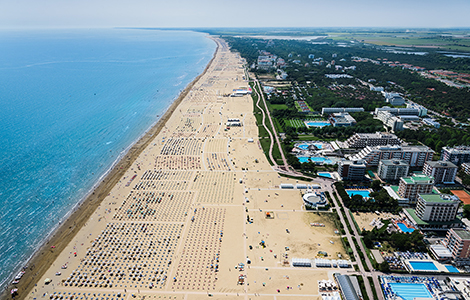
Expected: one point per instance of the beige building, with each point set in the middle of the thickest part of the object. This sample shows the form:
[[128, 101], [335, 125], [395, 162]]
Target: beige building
[[410, 187]]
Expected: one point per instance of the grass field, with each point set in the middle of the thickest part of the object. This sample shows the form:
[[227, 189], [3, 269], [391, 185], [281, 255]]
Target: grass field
[[297, 123], [278, 106], [417, 39]]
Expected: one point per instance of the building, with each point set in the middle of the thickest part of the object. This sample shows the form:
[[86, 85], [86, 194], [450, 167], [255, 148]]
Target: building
[[352, 170], [393, 169], [394, 122], [456, 155], [431, 122], [348, 286], [437, 207], [331, 110], [415, 156], [342, 120], [376, 88], [362, 140], [423, 111], [394, 99], [466, 168], [457, 242], [406, 118], [410, 187], [398, 111], [444, 172]]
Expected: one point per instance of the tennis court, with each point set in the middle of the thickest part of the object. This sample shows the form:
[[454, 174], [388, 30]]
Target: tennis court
[[463, 195]]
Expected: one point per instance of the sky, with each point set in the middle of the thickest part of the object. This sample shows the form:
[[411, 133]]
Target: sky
[[242, 13]]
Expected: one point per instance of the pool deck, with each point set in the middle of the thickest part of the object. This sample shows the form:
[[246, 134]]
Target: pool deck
[[440, 267]]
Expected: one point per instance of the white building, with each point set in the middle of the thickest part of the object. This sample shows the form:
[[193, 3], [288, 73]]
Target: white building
[[390, 120], [437, 207], [342, 120], [415, 156], [362, 140], [331, 110], [392, 169]]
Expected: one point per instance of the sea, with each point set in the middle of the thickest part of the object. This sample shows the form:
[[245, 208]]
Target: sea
[[72, 102]]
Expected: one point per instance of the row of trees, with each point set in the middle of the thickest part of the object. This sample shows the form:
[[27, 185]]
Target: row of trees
[[437, 138], [379, 201], [401, 241]]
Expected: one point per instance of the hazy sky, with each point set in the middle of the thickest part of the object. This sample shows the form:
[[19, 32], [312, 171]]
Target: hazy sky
[[242, 13]]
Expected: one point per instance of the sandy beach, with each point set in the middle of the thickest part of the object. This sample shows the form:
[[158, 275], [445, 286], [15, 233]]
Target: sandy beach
[[179, 215]]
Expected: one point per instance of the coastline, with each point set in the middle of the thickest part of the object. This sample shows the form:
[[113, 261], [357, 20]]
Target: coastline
[[44, 256]]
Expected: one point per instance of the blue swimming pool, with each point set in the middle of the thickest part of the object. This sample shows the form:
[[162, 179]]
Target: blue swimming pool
[[305, 146], [452, 269], [363, 193], [404, 228], [324, 174], [320, 159], [423, 266], [317, 123], [409, 291]]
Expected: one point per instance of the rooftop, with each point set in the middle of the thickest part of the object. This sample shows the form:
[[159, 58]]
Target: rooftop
[[462, 233], [417, 178], [438, 198], [441, 164], [391, 162]]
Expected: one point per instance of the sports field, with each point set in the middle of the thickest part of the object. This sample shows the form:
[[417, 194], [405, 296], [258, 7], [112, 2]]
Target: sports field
[[463, 195]]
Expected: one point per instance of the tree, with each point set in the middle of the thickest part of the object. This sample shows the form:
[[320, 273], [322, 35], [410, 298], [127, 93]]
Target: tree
[[384, 267], [466, 211], [376, 185]]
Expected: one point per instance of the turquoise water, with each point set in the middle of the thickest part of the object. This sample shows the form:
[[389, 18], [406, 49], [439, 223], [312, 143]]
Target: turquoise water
[[452, 269], [423, 266], [409, 291], [364, 194], [317, 124], [305, 146], [72, 102], [320, 159], [324, 175], [404, 228]]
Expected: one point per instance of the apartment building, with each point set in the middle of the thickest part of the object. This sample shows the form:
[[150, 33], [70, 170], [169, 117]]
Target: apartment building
[[443, 172]]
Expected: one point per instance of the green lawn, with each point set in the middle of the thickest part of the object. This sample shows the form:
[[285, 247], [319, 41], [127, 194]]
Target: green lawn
[[278, 106], [296, 123]]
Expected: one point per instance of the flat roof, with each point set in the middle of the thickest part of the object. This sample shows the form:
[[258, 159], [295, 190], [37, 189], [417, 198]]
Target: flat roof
[[418, 178], [396, 162], [439, 198], [441, 164], [441, 251], [463, 234]]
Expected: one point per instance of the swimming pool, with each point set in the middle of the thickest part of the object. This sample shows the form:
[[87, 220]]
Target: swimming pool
[[404, 228], [409, 291], [363, 193], [317, 123], [423, 266], [305, 146], [316, 159], [452, 269], [324, 175]]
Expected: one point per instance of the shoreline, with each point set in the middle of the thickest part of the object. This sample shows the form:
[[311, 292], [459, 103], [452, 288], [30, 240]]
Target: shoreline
[[60, 237]]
